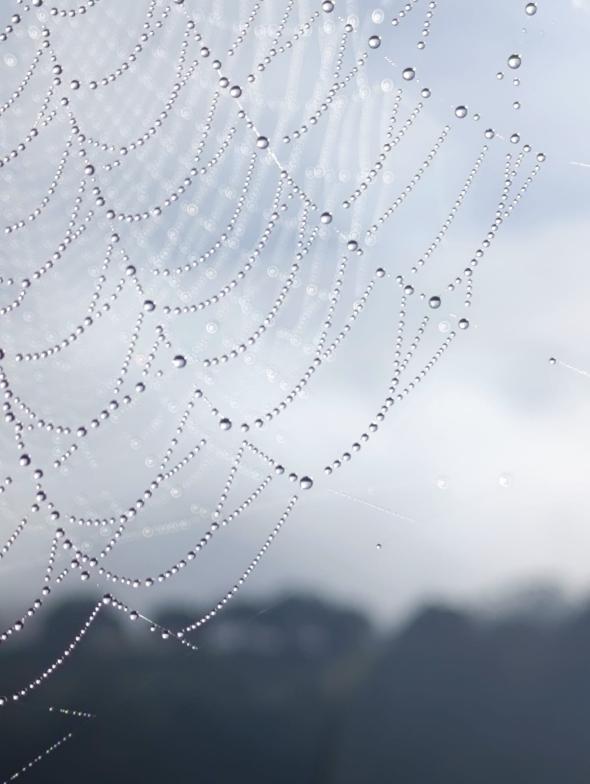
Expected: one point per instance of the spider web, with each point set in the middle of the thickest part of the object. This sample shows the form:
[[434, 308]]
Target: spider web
[[201, 215]]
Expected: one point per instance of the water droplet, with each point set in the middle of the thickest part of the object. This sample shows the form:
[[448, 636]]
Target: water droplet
[[328, 6], [225, 423], [514, 61], [149, 306], [461, 112], [235, 91], [463, 323], [515, 138], [179, 361], [374, 42], [434, 302], [326, 217], [504, 480], [306, 483], [552, 361], [408, 74], [262, 142], [530, 9]]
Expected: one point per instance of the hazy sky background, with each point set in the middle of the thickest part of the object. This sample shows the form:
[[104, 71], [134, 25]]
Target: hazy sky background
[[478, 481]]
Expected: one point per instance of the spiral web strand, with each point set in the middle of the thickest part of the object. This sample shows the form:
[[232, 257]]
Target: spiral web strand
[[172, 236]]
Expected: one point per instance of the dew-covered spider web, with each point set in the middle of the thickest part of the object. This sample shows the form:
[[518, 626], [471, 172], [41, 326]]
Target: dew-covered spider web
[[223, 222]]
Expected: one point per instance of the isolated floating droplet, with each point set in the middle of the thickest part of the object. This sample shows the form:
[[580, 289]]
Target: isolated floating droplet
[[463, 323], [262, 142], [326, 217], [408, 74], [461, 112], [515, 138], [552, 361], [514, 61], [179, 361], [328, 6], [489, 133], [530, 9], [434, 302], [225, 423], [306, 483], [149, 306], [374, 42]]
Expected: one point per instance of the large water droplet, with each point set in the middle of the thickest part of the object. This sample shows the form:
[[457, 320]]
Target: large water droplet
[[434, 302], [514, 61], [530, 9], [374, 42], [408, 74]]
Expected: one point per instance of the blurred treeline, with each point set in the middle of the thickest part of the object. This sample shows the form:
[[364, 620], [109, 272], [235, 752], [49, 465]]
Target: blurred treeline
[[306, 693]]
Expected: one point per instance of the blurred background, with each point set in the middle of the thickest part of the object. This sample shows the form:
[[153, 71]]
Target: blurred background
[[423, 615]]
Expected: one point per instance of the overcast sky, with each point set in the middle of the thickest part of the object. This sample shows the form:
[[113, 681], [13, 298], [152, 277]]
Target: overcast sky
[[478, 481]]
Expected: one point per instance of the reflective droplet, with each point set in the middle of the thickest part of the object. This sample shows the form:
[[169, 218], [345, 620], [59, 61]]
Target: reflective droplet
[[463, 323], [262, 142], [514, 61], [408, 74], [434, 302], [461, 112], [530, 9], [374, 42], [326, 217], [306, 483], [235, 91], [328, 6], [504, 480], [179, 361], [149, 306], [225, 423], [552, 361]]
